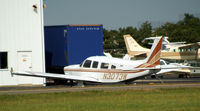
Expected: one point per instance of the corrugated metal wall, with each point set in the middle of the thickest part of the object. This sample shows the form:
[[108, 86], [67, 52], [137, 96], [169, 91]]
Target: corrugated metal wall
[[21, 29], [84, 41], [71, 44]]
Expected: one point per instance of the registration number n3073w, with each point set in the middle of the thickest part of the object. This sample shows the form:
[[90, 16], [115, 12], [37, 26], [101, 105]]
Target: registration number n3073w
[[115, 76]]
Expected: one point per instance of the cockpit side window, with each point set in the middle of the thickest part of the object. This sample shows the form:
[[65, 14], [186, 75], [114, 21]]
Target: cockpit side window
[[87, 64], [104, 65], [95, 64]]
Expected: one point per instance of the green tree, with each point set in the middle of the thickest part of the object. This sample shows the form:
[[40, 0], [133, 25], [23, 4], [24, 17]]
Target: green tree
[[114, 41], [145, 31], [187, 30]]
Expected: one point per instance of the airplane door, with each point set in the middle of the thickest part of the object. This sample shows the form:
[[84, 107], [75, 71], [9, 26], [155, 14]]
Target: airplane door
[[24, 64]]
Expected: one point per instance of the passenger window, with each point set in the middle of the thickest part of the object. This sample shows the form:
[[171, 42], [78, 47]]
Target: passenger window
[[95, 64], [113, 67], [87, 64], [104, 65]]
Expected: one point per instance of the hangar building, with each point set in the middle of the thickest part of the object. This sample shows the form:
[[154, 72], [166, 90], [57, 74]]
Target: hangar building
[[23, 45], [21, 40]]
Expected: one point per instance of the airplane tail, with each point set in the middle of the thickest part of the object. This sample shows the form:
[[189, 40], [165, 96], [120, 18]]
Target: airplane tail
[[132, 46], [153, 58]]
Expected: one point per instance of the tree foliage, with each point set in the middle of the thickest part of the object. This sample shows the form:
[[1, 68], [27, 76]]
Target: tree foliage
[[187, 30], [114, 41]]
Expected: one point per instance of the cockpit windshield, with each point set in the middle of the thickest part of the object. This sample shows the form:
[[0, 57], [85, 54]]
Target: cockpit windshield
[[81, 64], [162, 63]]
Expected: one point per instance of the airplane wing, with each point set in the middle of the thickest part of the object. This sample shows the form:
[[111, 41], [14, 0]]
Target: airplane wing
[[173, 71], [143, 54], [179, 71], [156, 68], [176, 68], [53, 75], [185, 46]]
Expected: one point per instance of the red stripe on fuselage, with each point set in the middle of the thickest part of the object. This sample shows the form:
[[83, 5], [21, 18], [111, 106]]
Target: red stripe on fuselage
[[102, 70], [154, 53], [156, 50]]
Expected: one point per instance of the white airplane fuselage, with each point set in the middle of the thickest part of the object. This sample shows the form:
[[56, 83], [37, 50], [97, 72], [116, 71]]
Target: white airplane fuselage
[[108, 70]]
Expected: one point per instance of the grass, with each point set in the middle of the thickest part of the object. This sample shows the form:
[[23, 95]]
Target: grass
[[176, 99]]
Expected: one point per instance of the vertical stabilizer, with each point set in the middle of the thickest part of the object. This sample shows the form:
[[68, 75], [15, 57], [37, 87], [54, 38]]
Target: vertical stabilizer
[[133, 48], [153, 57]]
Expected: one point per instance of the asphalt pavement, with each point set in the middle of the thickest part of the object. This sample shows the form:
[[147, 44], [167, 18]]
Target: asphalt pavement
[[138, 84]]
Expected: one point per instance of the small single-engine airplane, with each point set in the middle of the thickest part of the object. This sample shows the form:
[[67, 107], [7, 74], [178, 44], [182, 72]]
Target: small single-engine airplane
[[172, 68], [170, 50], [104, 69]]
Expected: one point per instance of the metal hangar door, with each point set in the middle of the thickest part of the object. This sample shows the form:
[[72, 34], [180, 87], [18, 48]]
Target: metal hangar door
[[24, 63]]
